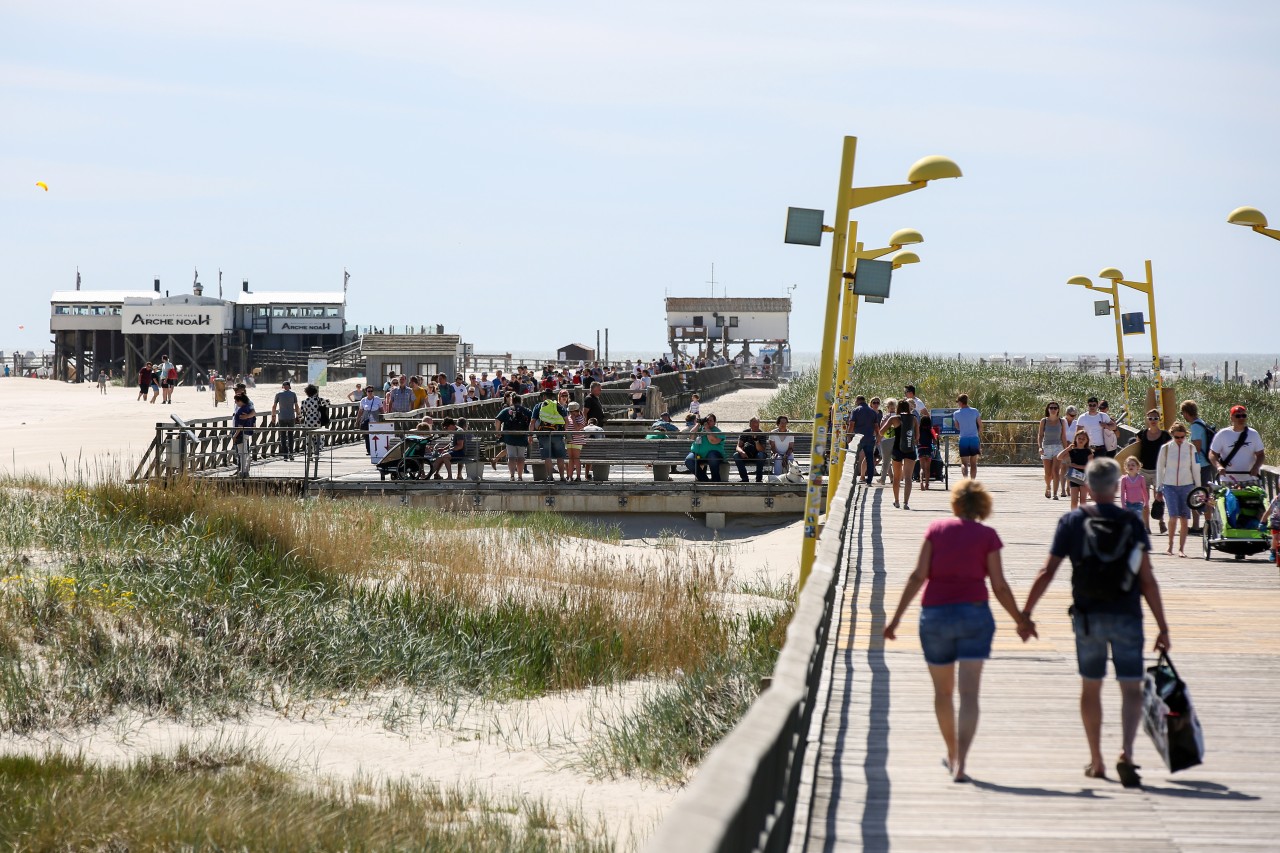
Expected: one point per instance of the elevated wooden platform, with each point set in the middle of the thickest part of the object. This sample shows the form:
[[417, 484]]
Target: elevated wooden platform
[[875, 781]]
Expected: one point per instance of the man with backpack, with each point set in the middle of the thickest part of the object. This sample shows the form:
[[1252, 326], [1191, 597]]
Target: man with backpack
[[1202, 435], [512, 423], [1110, 575]]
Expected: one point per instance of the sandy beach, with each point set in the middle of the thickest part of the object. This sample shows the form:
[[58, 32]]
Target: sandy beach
[[534, 747]]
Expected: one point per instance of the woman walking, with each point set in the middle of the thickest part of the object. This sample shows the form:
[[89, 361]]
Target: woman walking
[[903, 449], [1074, 459], [1069, 427], [1176, 475], [1150, 440], [924, 450], [958, 557], [886, 438], [1051, 446]]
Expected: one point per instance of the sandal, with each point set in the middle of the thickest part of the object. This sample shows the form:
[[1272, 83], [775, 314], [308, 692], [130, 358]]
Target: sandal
[[1128, 773], [1094, 774]]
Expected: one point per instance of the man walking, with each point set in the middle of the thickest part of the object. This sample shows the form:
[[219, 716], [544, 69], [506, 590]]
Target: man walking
[[1095, 423], [1104, 543], [969, 423], [920, 407], [863, 421], [284, 414], [1238, 452]]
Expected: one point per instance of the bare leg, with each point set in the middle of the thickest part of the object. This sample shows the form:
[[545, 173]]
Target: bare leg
[[1130, 714], [944, 684], [967, 725], [1050, 483], [1091, 715], [1075, 496], [1182, 536], [908, 466], [897, 475]]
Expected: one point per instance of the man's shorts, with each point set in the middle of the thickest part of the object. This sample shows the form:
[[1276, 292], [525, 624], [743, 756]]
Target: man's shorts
[[516, 451], [164, 383], [1096, 632], [951, 632], [970, 446], [551, 445]]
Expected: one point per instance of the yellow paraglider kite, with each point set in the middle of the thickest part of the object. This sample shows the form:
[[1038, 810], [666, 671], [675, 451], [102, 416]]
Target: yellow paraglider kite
[[42, 185]]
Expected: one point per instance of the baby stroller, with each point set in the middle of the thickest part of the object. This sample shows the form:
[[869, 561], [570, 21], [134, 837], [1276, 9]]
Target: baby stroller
[[408, 458], [1232, 519]]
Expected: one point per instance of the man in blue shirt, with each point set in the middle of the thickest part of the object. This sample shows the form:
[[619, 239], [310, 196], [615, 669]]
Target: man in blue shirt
[[863, 421], [243, 420], [969, 423]]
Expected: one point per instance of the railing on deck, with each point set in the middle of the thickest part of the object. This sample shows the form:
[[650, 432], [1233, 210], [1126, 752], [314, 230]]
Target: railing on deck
[[743, 797]]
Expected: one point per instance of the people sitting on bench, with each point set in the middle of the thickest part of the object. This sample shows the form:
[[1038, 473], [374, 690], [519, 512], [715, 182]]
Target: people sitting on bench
[[752, 447], [707, 451]]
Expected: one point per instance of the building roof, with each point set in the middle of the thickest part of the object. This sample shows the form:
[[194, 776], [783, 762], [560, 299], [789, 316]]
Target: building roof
[[579, 346], [403, 344], [683, 305], [99, 297], [289, 297]]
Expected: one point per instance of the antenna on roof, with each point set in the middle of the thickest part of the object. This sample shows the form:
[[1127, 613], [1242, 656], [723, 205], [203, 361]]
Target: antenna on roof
[[713, 280]]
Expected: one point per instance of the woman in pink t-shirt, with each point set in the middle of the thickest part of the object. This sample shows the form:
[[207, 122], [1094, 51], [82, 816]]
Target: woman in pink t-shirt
[[957, 558]]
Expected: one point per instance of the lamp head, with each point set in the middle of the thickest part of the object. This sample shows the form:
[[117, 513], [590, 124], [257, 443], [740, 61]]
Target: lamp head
[[1082, 280], [933, 168], [905, 237], [904, 258], [1111, 274], [1250, 217]]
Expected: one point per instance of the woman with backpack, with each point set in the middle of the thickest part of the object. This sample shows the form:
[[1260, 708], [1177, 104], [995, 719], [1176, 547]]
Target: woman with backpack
[[959, 557], [906, 428]]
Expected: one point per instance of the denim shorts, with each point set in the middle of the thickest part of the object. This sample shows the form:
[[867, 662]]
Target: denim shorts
[[1175, 500], [951, 632], [551, 445], [970, 446], [1135, 507], [1095, 632]]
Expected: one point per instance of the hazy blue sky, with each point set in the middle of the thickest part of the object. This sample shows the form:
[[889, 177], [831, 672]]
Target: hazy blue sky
[[528, 173]]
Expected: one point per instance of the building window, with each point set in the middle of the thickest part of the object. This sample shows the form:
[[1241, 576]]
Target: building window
[[428, 368], [389, 367], [733, 322], [62, 309], [331, 312], [261, 311], [277, 311], [697, 319]]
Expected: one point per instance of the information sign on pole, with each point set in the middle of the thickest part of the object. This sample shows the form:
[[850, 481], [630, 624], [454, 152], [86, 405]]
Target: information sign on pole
[[945, 421], [1132, 324], [1101, 308], [804, 226], [871, 278]]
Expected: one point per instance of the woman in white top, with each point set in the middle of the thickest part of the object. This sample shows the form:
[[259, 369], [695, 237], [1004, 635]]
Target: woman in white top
[[1069, 427], [782, 443], [1176, 475]]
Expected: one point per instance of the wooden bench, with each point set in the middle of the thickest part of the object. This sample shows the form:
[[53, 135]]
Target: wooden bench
[[666, 455]]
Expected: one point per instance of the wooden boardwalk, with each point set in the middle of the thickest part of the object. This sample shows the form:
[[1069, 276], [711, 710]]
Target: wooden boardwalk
[[877, 782]]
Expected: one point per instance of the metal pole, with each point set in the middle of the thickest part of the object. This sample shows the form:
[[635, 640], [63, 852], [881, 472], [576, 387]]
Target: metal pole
[[826, 363], [844, 366], [1124, 371], [1155, 345]]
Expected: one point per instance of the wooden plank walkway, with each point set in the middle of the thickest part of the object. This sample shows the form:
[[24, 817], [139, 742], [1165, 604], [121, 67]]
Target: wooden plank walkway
[[877, 778]]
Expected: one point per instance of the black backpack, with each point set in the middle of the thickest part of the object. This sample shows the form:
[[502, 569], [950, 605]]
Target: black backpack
[[324, 412], [1105, 572]]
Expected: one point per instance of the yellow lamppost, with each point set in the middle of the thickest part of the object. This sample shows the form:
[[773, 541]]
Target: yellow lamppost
[[845, 234], [1251, 217], [848, 328], [1114, 292]]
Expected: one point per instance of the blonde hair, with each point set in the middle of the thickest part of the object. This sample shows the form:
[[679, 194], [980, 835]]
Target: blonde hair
[[1132, 460], [1178, 426], [970, 500]]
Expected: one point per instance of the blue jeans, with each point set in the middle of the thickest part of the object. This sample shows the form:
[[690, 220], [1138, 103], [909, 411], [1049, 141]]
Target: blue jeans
[[951, 632], [743, 461], [1095, 632], [712, 461]]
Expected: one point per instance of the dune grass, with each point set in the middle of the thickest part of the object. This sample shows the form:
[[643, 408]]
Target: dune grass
[[233, 800], [1014, 393], [196, 603]]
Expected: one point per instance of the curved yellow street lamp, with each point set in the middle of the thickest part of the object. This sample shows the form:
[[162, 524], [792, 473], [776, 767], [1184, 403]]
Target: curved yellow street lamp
[[1113, 290], [845, 231], [848, 327], [1251, 217]]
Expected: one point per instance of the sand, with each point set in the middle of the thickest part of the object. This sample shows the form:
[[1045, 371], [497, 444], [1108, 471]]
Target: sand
[[58, 431]]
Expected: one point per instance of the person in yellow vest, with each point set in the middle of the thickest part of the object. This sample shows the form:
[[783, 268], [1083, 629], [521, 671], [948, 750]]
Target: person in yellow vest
[[549, 422]]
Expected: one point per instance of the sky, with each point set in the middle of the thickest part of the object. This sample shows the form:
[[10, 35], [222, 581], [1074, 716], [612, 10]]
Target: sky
[[527, 174]]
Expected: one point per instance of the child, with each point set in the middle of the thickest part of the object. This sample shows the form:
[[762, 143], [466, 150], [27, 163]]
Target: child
[[1272, 518], [1133, 487], [695, 406]]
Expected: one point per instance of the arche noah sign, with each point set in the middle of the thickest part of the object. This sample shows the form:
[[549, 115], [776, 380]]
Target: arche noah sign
[[192, 319]]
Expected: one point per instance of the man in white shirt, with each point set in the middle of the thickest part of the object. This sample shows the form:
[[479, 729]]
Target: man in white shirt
[[1237, 452], [1094, 423], [910, 394]]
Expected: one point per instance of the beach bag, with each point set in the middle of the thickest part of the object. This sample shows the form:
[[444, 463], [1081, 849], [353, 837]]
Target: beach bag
[[1157, 509], [1169, 717], [1076, 475], [1107, 569]]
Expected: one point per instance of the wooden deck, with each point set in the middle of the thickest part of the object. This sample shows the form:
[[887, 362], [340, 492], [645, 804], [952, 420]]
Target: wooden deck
[[876, 781]]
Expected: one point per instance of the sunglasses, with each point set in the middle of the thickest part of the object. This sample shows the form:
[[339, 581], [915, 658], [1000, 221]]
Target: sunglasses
[[1053, 408], [1153, 419], [1239, 417], [1179, 435]]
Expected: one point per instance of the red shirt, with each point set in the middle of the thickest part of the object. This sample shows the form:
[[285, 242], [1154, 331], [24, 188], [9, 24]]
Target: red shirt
[[958, 563]]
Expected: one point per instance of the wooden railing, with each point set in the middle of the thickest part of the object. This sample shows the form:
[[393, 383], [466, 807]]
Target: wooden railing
[[743, 797]]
